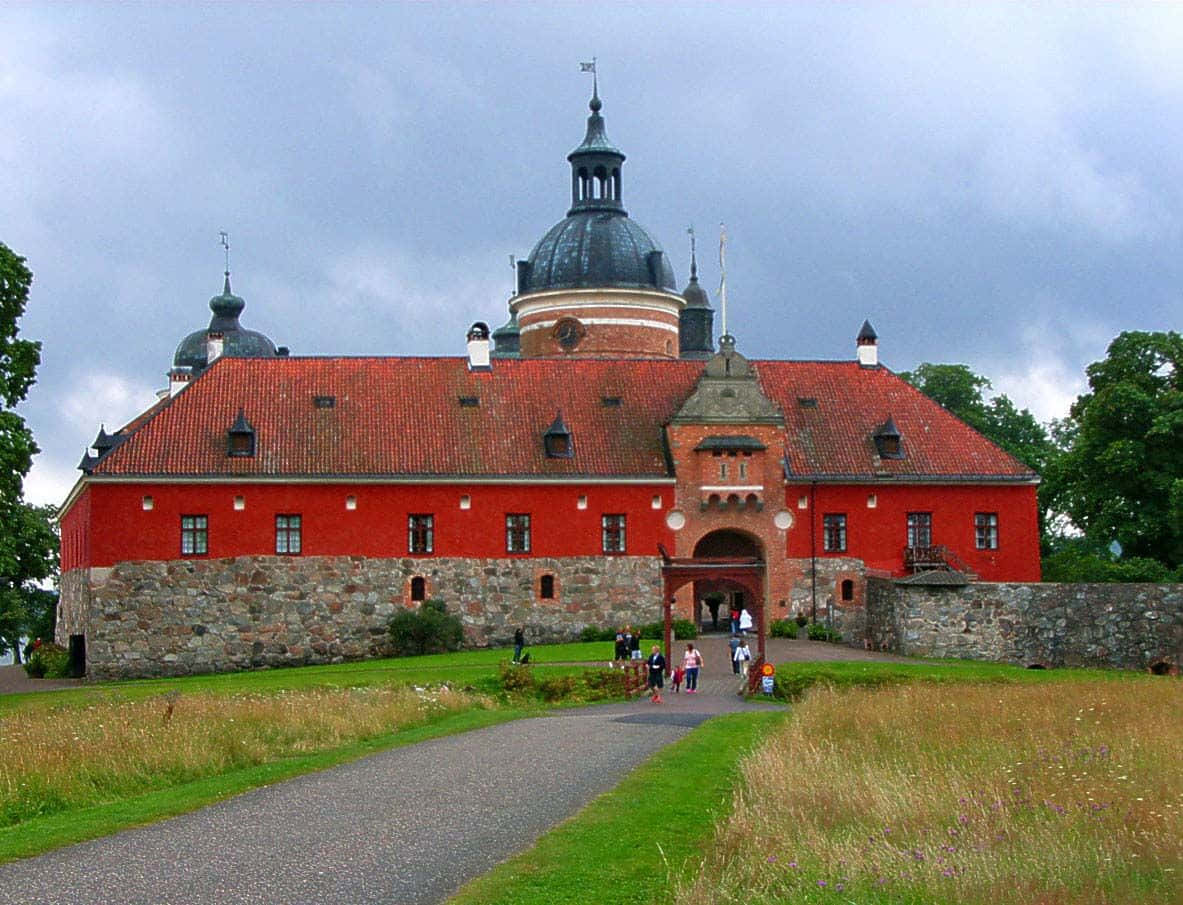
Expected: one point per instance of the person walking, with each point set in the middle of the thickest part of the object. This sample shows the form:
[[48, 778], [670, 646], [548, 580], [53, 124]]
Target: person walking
[[519, 641], [656, 674], [745, 621], [734, 615], [692, 663], [733, 645], [742, 658]]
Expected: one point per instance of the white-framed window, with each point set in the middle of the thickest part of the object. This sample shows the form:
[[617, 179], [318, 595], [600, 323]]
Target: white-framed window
[[986, 530], [612, 529], [834, 532], [421, 533], [288, 540], [517, 532]]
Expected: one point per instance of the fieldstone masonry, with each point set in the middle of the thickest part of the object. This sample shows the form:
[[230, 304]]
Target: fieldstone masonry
[[193, 616], [1125, 626]]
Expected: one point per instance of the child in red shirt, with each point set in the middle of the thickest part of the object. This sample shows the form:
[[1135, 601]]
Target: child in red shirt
[[676, 679]]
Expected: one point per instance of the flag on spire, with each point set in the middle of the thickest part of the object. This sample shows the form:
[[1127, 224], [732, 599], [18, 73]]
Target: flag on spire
[[588, 67]]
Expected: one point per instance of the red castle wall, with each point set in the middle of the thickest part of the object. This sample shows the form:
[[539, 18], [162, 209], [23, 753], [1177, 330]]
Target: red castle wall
[[119, 528], [878, 535]]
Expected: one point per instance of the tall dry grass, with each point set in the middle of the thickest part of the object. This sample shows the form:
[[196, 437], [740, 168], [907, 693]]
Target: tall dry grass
[[69, 758], [1056, 793]]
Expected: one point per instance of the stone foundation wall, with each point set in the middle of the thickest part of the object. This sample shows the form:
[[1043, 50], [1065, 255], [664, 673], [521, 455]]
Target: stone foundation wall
[[1126, 626], [192, 616]]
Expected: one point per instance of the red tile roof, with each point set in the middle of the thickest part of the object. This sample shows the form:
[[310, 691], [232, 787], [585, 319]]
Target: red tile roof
[[834, 439], [403, 417]]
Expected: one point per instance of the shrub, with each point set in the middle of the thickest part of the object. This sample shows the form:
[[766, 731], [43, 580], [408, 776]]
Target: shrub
[[517, 679], [554, 688], [430, 629], [605, 683], [595, 633], [820, 632], [48, 661], [684, 630], [783, 628]]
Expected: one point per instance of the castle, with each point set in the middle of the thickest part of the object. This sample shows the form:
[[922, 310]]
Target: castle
[[273, 508]]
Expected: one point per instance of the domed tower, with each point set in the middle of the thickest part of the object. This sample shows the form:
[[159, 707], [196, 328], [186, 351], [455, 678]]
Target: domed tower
[[596, 284], [696, 329], [223, 336]]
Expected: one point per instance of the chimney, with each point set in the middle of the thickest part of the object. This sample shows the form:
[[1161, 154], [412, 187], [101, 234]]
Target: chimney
[[478, 347], [214, 343], [178, 379], [867, 346]]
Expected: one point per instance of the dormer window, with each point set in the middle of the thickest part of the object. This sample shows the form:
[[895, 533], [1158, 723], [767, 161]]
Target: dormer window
[[887, 440], [240, 439], [557, 441]]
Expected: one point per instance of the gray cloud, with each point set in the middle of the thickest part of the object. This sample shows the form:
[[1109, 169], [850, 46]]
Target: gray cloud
[[993, 185]]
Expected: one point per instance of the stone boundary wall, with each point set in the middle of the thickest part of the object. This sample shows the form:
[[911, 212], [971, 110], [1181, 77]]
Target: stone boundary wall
[[1125, 626], [195, 616]]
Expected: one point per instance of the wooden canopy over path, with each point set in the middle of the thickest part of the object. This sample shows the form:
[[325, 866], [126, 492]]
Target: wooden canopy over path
[[748, 572]]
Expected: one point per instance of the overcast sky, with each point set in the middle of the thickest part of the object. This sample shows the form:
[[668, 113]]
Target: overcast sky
[[996, 186]]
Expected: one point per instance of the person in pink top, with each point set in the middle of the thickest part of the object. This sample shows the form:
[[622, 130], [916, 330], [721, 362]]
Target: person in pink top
[[691, 662]]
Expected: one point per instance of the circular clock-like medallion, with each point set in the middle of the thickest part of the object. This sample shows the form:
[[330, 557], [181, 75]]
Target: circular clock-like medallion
[[568, 332]]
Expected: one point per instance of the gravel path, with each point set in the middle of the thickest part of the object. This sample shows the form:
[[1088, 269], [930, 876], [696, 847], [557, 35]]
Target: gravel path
[[405, 826]]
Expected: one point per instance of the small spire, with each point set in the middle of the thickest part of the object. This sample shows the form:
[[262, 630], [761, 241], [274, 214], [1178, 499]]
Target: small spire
[[723, 275], [693, 258], [225, 241], [595, 103]]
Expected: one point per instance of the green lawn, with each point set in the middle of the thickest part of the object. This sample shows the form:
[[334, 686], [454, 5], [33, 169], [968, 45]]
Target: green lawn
[[43, 834], [630, 844], [470, 667]]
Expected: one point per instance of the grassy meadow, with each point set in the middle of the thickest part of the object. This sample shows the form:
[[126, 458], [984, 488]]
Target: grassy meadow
[[1054, 792], [91, 760]]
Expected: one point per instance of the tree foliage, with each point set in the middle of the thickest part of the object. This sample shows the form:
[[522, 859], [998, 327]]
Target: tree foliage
[[28, 545], [963, 393], [1121, 475], [18, 366]]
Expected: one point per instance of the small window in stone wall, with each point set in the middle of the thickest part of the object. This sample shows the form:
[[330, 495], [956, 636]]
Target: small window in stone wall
[[147, 503], [418, 588], [351, 503], [546, 587], [239, 503], [847, 589], [655, 503], [465, 501]]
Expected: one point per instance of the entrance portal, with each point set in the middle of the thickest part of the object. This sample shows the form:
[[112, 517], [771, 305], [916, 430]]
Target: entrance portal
[[728, 561]]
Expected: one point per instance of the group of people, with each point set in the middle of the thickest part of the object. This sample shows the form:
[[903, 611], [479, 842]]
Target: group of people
[[687, 670], [690, 666], [628, 645]]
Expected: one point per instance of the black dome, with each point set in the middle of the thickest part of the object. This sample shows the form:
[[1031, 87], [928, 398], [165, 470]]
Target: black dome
[[238, 342], [598, 249]]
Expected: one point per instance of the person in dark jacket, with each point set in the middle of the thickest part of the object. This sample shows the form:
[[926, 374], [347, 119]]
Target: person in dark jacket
[[656, 664], [734, 645], [519, 641]]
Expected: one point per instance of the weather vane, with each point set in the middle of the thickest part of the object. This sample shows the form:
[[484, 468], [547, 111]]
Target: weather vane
[[591, 67], [693, 258], [226, 245], [723, 274]]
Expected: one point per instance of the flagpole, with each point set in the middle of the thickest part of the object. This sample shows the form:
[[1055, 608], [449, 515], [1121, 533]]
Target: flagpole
[[723, 274]]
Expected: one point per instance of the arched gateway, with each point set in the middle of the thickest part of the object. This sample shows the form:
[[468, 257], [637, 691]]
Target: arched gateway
[[744, 568]]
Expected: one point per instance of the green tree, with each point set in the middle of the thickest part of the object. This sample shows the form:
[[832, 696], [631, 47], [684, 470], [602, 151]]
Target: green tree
[[963, 393], [26, 607], [27, 547], [1121, 475]]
